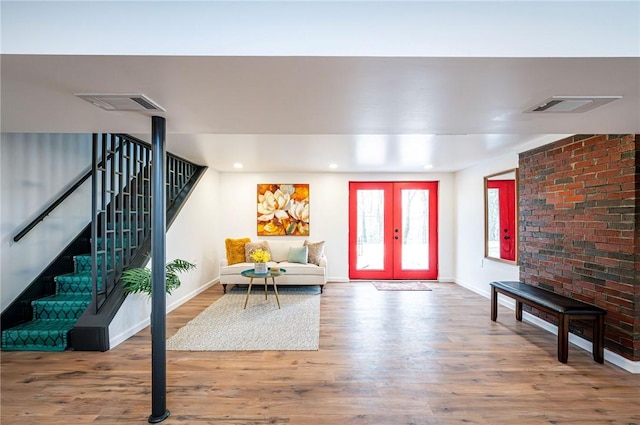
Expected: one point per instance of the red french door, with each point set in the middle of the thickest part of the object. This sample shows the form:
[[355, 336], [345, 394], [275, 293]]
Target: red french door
[[393, 230], [502, 220]]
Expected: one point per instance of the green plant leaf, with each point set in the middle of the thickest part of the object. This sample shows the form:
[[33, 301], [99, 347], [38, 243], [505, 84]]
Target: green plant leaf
[[138, 280], [178, 266]]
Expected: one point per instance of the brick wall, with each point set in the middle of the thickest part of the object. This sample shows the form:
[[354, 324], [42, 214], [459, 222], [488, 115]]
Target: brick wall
[[579, 201]]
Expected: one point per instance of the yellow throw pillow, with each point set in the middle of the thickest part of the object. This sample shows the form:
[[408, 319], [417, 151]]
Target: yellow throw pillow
[[235, 250]]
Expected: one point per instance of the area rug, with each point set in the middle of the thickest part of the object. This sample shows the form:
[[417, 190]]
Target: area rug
[[226, 326], [402, 286]]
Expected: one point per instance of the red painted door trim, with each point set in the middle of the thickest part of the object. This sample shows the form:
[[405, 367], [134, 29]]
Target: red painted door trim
[[506, 202], [387, 232], [432, 272], [393, 220]]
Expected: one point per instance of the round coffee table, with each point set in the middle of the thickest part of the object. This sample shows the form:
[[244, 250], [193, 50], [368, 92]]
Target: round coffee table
[[251, 274]]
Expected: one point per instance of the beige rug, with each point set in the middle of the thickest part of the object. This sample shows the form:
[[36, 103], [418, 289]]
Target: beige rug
[[226, 326], [402, 286]]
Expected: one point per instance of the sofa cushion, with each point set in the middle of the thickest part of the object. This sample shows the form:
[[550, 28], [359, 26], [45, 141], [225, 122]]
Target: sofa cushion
[[235, 249], [298, 254], [250, 247], [316, 251], [236, 268], [301, 269], [280, 248]]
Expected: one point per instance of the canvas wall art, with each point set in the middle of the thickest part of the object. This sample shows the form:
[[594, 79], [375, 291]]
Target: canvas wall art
[[283, 210]]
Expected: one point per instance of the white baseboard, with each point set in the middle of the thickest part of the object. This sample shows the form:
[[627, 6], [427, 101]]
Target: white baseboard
[[137, 327], [177, 303], [116, 340], [611, 357], [485, 292], [338, 280], [347, 280]]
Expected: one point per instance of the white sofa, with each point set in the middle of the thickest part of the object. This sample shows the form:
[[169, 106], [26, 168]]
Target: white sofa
[[296, 273]]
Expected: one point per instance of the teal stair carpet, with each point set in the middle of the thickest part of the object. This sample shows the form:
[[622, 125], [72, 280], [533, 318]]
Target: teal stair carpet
[[54, 316]]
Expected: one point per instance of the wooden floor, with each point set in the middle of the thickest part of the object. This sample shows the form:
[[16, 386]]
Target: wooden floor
[[385, 358]]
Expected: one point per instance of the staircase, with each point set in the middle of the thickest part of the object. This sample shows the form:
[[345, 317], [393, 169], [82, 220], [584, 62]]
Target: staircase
[[54, 316], [63, 308]]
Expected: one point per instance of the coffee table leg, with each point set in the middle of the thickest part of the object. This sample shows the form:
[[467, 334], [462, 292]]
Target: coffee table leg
[[275, 289], [265, 288], [248, 292]]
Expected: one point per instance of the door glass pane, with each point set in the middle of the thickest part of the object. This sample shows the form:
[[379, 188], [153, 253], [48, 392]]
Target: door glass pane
[[493, 223], [370, 242], [415, 229]]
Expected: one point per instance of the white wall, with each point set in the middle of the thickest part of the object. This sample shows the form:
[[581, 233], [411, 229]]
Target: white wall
[[35, 169], [472, 269], [193, 236], [329, 214]]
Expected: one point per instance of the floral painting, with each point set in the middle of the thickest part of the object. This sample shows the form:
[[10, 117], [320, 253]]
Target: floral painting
[[283, 210]]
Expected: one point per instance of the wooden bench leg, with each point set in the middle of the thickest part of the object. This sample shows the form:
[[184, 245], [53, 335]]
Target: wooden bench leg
[[563, 338], [519, 311], [494, 303], [598, 339]]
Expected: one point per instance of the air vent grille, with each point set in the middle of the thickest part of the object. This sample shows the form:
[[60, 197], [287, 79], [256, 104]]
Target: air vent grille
[[575, 104], [144, 103], [121, 102], [547, 105]]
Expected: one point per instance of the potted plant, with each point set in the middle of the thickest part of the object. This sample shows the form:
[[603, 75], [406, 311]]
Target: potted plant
[[138, 280], [260, 258]]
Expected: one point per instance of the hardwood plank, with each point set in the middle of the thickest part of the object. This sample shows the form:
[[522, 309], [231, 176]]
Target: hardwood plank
[[431, 357]]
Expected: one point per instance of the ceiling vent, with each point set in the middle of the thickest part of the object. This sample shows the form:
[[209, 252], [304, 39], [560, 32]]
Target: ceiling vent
[[122, 102], [575, 104]]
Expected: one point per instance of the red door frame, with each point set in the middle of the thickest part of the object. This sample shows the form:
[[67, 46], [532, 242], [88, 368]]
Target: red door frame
[[506, 202], [432, 272], [392, 268], [353, 234]]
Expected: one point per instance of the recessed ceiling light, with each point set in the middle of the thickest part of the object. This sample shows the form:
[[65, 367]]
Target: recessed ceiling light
[[237, 165], [333, 166]]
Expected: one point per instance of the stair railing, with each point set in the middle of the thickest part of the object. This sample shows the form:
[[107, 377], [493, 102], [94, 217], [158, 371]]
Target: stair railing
[[53, 205], [121, 204]]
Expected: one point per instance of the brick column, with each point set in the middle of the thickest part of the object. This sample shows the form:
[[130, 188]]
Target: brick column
[[579, 201]]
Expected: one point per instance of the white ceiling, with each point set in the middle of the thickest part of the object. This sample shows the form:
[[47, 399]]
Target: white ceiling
[[302, 113]]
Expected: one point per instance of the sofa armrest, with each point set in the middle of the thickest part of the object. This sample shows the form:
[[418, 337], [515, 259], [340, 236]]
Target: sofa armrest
[[323, 262], [224, 262]]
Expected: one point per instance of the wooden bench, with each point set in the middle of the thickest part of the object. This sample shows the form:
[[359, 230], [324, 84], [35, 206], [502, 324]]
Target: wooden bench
[[562, 307]]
